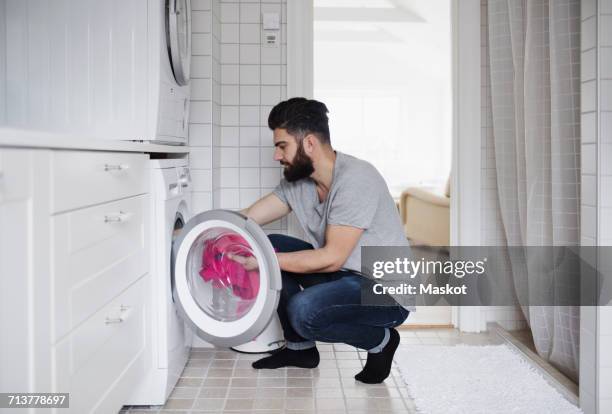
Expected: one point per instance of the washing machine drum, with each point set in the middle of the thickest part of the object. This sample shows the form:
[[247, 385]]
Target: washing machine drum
[[226, 278], [178, 38]]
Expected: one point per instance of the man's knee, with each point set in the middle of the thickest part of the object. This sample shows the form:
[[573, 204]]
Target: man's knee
[[302, 315]]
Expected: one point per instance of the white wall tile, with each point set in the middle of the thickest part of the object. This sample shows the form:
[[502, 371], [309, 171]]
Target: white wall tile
[[230, 54], [272, 8], [249, 95], [605, 158], [606, 95], [200, 135], [605, 225], [588, 127], [230, 74], [605, 56], [589, 158], [249, 115], [229, 198], [270, 56], [249, 157], [230, 95], [266, 155], [201, 66], [588, 222], [606, 127], [199, 158], [229, 177], [200, 4], [248, 196], [250, 13], [201, 201], [201, 44], [605, 24], [230, 13], [201, 89], [230, 157], [606, 193], [264, 113], [200, 112], [270, 177], [249, 54], [266, 137], [589, 96], [201, 21], [229, 115], [230, 136], [605, 7], [588, 34], [249, 177], [270, 95], [230, 33], [588, 70], [249, 136], [589, 190], [250, 33], [201, 180], [270, 74], [249, 74]]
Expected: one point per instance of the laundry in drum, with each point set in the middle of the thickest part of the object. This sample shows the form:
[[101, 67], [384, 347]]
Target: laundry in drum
[[224, 272]]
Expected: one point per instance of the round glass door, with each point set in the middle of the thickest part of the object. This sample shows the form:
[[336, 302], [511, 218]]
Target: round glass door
[[178, 30], [226, 277]]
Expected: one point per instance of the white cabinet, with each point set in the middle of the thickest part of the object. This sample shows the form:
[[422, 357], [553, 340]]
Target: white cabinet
[[74, 262]]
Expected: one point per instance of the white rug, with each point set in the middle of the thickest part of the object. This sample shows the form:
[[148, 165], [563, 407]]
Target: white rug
[[476, 379]]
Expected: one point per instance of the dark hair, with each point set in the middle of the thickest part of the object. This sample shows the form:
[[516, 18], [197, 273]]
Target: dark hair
[[301, 116]]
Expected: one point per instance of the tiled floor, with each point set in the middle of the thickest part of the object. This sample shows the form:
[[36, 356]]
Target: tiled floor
[[223, 381]]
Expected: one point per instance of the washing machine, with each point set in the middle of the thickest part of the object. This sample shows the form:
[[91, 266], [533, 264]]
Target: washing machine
[[197, 289], [170, 340], [169, 31]]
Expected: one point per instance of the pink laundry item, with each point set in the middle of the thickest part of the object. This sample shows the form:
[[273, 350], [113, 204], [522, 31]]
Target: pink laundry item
[[226, 273]]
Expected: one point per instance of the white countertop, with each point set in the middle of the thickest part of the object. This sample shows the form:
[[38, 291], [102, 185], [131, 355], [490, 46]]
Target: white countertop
[[24, 138]]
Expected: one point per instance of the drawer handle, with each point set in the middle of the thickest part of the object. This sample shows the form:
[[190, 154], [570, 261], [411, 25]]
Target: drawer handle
[[116, 167], [123, 315], [120, 217]]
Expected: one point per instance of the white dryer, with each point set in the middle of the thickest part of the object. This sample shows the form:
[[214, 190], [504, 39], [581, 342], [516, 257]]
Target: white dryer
[[169, 31]]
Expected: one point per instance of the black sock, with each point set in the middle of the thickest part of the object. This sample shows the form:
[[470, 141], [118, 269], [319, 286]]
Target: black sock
[[378, 365], [305, 358]]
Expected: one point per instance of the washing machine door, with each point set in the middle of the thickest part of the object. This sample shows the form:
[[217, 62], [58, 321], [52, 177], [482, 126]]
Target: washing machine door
[[178, 36], [226, 277]]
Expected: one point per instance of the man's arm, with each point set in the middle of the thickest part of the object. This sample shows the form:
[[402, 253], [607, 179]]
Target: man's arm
[[267, 209], [340, 242]]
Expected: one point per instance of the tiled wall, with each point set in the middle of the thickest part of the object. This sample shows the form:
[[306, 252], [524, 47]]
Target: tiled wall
[[233, 148], [205, 98], [596, 213]]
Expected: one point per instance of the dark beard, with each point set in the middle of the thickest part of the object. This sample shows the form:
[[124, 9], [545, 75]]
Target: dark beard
[[300, 168]]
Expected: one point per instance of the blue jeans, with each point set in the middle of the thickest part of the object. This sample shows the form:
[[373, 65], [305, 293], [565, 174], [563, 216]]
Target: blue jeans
[[327, 307]]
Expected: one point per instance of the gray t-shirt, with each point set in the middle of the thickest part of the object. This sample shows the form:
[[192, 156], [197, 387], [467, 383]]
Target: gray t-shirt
[[358, 197]]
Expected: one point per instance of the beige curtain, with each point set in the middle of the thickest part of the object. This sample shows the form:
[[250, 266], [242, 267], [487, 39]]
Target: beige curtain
[[534, 55]]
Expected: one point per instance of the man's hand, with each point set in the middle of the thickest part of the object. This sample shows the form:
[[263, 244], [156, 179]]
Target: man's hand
[[249, 263]]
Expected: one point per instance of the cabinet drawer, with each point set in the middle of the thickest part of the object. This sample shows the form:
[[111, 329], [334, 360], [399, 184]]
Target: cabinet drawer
[[86, 178], [98, 252], [102, 360]]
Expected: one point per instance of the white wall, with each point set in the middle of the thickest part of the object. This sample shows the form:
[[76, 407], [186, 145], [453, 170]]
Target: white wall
[[596, 209], [2, 62], [239, 81]]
